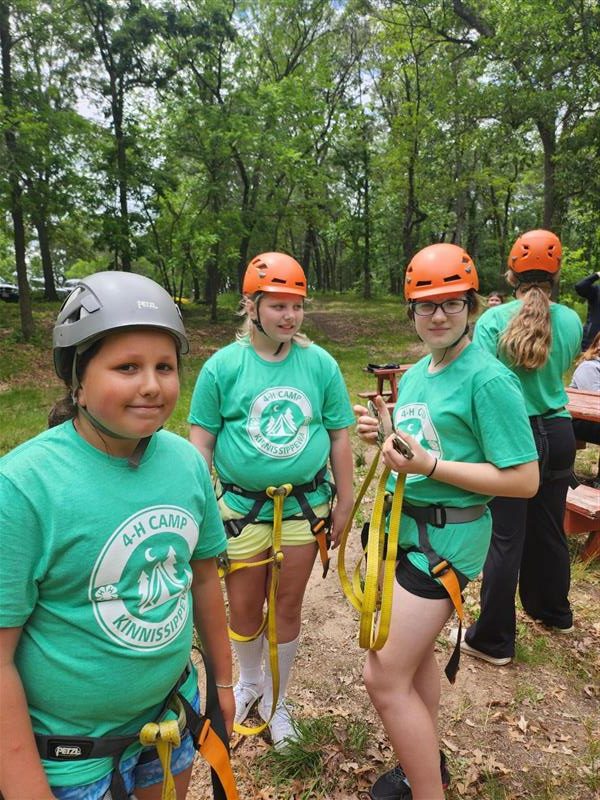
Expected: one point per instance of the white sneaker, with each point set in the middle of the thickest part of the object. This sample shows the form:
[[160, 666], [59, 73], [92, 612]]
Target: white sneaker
[[245, 695], [281, 726], [471, 651]]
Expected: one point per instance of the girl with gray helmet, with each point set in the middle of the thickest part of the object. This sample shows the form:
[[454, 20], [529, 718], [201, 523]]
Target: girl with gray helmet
[[99, 598]]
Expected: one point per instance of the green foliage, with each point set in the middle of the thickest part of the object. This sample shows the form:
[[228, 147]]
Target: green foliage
[[181, 139]]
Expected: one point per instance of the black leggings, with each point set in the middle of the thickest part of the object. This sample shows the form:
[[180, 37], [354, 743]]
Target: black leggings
[[528, 547]]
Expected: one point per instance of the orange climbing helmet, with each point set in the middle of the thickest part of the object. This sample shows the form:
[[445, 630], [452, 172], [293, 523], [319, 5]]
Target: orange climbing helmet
[[274, 272], [536, 251], [437, 269]]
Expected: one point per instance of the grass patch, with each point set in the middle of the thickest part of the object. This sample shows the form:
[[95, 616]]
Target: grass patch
[[304, 758]]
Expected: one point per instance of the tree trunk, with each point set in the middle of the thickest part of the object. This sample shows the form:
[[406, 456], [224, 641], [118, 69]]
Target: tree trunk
[[16, 192], [548, 137], [41, 227]]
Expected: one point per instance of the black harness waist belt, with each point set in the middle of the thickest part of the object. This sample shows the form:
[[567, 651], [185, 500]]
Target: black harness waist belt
[[440, 568], [301, 488], [439, 516]]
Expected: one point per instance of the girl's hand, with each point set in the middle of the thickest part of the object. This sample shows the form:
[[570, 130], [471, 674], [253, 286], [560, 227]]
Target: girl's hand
[[227, 703], [421, 463], [339, 518], [366, 425]]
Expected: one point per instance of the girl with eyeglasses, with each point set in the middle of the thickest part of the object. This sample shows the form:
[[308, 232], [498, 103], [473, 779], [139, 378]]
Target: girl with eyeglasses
[[475, 443]]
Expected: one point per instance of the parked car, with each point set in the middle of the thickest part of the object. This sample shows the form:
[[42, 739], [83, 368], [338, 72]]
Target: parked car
[[8, 291]]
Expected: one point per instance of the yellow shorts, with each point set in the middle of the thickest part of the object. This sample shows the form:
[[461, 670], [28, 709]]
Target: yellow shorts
[[258, 537]]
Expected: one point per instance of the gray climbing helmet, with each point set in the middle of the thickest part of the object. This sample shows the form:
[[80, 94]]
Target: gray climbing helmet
[[108, 301]]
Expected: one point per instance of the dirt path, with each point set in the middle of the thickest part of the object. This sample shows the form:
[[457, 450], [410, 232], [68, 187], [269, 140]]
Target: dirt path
[[522, 731]]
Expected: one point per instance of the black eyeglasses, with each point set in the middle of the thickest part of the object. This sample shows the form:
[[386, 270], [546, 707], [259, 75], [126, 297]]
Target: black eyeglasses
[[428, 309]]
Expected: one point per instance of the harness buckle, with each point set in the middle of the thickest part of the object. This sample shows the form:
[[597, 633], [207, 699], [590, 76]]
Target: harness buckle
[[441, 568], [439, 517], [279, 491]]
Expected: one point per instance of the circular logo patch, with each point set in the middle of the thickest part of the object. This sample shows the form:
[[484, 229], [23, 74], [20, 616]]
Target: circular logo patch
[[140, 583], [278, 422]]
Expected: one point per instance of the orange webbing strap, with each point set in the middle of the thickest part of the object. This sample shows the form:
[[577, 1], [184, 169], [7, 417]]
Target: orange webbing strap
[[447, 577], [214, 751], [320, 534], [278, 495]]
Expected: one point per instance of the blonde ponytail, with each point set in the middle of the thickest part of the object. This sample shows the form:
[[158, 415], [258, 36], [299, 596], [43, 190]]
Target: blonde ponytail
[[528, 338]]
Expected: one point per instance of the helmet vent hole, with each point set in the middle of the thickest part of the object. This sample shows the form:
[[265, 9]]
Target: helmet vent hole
[[451, 278], [423, 283], [279, 280]]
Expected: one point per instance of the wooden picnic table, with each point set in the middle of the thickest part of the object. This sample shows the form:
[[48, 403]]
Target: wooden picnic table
[[582, 514], [583, 404], [389, 375]]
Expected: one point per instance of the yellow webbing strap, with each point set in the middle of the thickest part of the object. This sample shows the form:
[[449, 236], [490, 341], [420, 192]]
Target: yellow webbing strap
[[214, 751], [278, 495], [373, 636], [163, 735], [367, 596]]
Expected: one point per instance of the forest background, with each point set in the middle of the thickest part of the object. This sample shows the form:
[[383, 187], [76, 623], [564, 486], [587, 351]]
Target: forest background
[[179, 139]]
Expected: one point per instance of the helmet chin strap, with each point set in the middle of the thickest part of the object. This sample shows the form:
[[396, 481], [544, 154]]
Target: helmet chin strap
[[138, 453], [453, 345], [258, 324]]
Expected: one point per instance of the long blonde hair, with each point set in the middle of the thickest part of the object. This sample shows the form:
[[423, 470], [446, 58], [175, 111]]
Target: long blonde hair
[[527, 340], [247, 330], [592, 352]]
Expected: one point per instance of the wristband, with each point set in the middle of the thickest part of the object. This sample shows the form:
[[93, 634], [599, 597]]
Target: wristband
[[224, 685], [429, 474]]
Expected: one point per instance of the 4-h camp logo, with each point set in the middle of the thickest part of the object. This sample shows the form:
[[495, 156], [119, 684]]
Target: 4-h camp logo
[[278, 422], [414, 419], [139, 588]]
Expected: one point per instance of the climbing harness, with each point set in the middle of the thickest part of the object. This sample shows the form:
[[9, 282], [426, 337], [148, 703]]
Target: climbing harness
[[451, 579], [320, 529], [318, 525], [380, 550], [207, 730], [372, 601]]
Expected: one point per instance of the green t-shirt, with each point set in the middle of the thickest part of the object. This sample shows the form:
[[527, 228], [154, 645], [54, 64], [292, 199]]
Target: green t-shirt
[[270, 419], [96, 569], [543, 388], [472, 411]]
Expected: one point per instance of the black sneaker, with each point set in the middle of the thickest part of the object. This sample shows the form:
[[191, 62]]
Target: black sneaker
[[392, 785]]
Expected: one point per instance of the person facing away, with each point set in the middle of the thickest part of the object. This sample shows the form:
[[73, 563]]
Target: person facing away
[[537, 339], [478, 444], [98, 600], [590, 291], [587, 378], [267, 410]]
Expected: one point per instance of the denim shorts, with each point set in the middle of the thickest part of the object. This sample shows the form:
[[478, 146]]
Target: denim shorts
[[135, 774]]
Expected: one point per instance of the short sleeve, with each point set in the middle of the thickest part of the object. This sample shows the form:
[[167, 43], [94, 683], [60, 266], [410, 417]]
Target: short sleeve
[[212, 539], [205, 405], [337, 409], [501, 422], [486, 333], [23, 559]]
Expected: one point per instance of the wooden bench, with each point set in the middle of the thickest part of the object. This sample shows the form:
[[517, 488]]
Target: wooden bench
[[373, 395], [582, 515]]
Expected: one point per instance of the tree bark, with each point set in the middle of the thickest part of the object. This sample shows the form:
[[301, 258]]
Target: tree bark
[[16, 191]]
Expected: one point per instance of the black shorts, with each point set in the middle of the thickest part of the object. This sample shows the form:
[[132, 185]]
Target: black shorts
[[419, 583]]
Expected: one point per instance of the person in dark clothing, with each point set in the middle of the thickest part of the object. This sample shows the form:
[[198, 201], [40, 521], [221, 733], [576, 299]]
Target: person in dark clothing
[[590, 290]]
